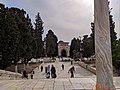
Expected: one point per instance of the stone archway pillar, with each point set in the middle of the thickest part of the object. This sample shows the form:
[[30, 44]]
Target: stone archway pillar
[[59, 52], [68, 53], [104, 69]]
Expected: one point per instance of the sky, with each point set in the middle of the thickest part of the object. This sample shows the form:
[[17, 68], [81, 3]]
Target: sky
[[66, 18]]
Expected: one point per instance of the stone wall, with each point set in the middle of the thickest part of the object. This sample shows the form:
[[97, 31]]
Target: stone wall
[[88, 67], [9, 75]]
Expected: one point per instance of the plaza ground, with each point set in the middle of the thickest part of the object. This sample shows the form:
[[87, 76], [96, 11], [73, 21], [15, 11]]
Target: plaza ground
[[83, 80]]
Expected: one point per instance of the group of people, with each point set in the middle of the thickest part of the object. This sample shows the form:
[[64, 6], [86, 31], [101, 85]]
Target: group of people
[[25, 74], [50, 71]]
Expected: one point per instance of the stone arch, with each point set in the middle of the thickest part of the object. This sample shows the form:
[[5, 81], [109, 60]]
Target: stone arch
[[63, 53], [63, 46]]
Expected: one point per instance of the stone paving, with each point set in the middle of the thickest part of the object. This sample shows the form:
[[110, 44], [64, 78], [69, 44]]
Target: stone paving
[[84, 80], [79, 71]]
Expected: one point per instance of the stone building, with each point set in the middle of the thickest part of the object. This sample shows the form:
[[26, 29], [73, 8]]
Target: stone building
[[63, 49]]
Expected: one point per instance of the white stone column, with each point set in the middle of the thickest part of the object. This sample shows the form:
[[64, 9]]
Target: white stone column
[[104, 69]]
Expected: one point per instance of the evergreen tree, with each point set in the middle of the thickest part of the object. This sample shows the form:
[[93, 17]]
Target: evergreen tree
[[75, 48], [17, 38], [29, 38], [91, 38], [112, 28], [24, 25], [88, 48], [2, 15], [51, 44], [10, 39], [38, 36], [30, 26], [116, 54], [72, 47]]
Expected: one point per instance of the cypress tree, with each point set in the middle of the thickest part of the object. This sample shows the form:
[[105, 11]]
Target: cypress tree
[[38, 36]]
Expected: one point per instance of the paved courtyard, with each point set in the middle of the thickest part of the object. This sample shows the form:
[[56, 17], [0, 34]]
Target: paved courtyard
[[79, 71], [84, 80]]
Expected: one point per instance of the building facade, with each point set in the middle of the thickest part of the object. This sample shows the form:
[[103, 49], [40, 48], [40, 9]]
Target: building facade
[[63, 49]]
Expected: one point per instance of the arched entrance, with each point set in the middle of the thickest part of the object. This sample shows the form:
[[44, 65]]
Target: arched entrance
[[63, 53], [63, 49]]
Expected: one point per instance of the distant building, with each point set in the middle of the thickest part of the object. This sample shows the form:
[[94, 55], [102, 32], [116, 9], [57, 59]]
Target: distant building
[[63, 49]]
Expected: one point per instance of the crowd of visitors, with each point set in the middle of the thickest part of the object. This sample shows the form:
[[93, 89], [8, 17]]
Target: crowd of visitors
[[50, 71]]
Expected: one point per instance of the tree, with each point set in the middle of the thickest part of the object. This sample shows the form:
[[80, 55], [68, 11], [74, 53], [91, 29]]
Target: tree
[[75, 48], [88, 46], [2, 14], [38, 36], [116, 54], [24, 26], [91, 38], [51, 44], [29, 39], [18, 39], [112, 28], [9, 39], [72, 47]]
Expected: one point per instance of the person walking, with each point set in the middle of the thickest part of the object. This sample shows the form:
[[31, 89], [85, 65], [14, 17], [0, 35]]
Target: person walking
[[72, 70], [41, 68], [71, 62], [25, 74], [45, 69], [62, 66], [48, 69], [53, 72], [48, 72], [32, 74]]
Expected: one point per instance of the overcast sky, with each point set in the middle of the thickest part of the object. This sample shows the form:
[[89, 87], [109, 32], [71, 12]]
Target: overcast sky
[[67, 18]]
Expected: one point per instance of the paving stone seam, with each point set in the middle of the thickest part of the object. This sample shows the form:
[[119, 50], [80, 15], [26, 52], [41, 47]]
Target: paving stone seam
[[26, 84], [54, 84], [8, 85], [82, 86], [71, 83], [44, 85], [18, 84], [35, 84], [64, 85]]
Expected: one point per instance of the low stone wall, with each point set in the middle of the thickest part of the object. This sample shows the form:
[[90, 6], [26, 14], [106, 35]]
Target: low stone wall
[[92, 69], [88, 67], [9, 75]]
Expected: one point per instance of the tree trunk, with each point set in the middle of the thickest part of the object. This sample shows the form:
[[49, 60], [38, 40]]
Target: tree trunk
[[24, 66], [16, 69]]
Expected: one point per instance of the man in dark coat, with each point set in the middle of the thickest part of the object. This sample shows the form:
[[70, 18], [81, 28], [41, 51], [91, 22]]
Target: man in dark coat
[[62, 66], [53, 72], [72, 70], [25, 74], [41, 68]]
